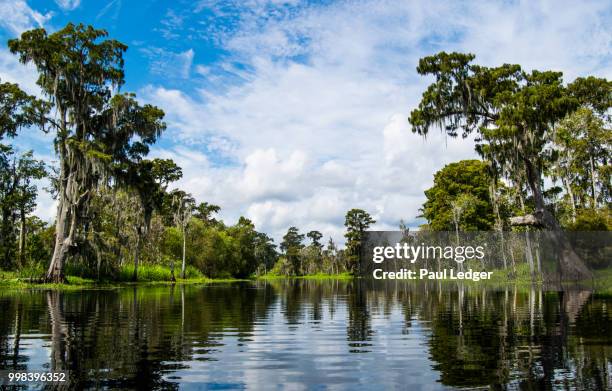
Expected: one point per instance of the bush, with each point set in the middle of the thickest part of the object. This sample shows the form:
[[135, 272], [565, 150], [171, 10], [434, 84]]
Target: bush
[[592, 220], [157, 273], [33, 270], [282, 267]]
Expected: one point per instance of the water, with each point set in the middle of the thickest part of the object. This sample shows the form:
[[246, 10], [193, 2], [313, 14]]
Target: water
[[312, 335]]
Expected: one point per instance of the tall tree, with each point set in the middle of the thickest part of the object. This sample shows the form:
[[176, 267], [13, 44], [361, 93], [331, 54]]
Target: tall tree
[[315, 238], [265, 250], [17, 201], [291, 246], [513, 112], [96, 128], [357, 221], [466, 178], [183, 204], [583, 146]]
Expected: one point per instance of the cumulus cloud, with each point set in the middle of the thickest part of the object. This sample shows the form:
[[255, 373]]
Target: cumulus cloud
[[16, 16], [318, 117], [304, 116]]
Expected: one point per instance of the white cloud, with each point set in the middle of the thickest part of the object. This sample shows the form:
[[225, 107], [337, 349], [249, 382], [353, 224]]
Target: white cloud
[[68, 5], [316, 136], [17, 16], [310, 106]]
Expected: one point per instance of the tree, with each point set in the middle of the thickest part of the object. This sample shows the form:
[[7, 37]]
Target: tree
[[204, 211], [97, 130], [265, 250], [149, 185], [583, 146], [165, 171], [244, 262], [312, 255], [18, 110], [291, 246], [330, 255], [17, 201], [457, 182], [513, 113], [357, 221], [315, 237], [183, 204], [17, 194]]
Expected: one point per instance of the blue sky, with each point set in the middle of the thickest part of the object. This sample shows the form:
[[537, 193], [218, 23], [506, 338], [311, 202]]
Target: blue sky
[[292, 112]]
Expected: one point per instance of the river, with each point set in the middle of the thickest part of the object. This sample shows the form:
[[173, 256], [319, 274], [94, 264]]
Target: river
[[307, 334]]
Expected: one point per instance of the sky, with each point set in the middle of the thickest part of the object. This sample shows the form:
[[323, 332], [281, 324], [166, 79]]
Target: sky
[[292, 112]]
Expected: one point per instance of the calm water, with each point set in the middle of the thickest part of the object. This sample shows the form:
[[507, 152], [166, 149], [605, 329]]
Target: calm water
[[312, 335]]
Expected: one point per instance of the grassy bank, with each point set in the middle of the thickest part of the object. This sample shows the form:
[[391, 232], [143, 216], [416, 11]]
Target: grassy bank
[[77, 279], [162, 275]]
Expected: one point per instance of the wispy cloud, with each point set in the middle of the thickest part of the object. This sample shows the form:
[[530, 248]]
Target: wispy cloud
[[169, 64], [114, 5], [68, 5]]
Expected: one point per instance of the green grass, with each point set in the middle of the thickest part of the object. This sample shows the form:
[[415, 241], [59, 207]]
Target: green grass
[[156, 273], [147, 274], [603, 282]]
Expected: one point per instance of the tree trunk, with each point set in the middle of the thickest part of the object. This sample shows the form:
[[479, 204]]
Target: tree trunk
[[136, 256], [5, 239], [571, 265], [184, 245], [529, 254], [570, 193], [537, 255], [498, 221], [22, 238], [593, 195], [55, 273]]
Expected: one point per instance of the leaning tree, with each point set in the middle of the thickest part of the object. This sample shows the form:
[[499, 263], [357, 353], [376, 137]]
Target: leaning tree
[[513, 113], [97, 129]]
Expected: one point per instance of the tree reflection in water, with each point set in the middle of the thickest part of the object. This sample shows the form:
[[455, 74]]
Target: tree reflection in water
[[301, 332]]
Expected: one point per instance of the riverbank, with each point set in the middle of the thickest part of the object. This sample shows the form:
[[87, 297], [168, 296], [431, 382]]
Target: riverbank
[[147, 275], [156, 275]]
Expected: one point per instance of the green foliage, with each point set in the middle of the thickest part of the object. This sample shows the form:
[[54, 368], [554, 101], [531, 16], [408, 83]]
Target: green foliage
[[291, 247], [204, 211], [99, 133], [513, 112], [592, 220], [357, 221], [460, 197], [17, 201], [154, 273], [582, 149], [18, 110], [282, 267]]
